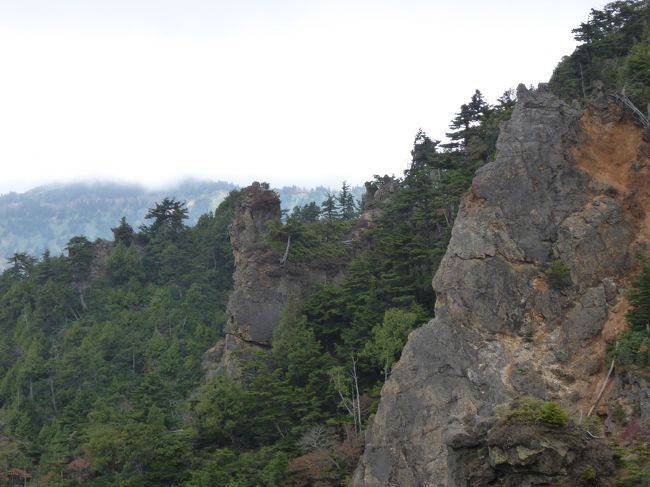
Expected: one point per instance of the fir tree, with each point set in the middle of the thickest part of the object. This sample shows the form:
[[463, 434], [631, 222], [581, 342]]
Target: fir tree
[[328, 207], [345, 200]]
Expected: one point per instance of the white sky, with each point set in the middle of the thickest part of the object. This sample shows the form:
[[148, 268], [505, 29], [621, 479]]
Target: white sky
[[291, 92]]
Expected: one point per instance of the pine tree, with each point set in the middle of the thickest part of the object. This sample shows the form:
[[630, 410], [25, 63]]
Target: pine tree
[[80, 256], [328, 207], [464, 124], [20, 265], [123, 232], [346, 206], [168, 216]]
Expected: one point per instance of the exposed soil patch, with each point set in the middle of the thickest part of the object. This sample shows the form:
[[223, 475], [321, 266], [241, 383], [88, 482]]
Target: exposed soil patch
[[617, 157]]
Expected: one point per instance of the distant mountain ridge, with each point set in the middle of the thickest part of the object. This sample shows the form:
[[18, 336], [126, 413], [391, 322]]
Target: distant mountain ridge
[[46, 217]]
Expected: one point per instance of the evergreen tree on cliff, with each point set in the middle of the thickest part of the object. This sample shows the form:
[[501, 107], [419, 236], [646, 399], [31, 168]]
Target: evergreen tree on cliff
[[463, 125]]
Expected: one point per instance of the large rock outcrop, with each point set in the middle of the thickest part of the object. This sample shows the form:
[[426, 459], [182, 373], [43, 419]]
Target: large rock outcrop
[[568, 193], [262, 283]]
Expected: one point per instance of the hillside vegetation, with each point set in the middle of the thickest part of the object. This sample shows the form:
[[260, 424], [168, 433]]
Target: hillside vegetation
[[101, 375], [45, 218], [100, 348]]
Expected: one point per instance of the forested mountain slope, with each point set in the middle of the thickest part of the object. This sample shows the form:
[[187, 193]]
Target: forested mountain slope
[[533, 370], [45, 218], [102, 347]]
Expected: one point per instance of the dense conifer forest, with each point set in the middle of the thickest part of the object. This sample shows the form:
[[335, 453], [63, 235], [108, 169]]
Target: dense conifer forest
[[101, 380]]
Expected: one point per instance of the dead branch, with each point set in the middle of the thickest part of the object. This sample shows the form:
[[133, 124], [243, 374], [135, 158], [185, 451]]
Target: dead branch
[[602, 389], [286, 251]]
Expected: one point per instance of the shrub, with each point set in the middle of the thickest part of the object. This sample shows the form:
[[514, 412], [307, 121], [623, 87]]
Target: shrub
[[589, 474], [535, 411], [553, 415], [639, 314], [633, 348], [558, 275], [594, 425]]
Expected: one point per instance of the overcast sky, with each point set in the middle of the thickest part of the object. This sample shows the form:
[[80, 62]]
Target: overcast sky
[[291, 92]]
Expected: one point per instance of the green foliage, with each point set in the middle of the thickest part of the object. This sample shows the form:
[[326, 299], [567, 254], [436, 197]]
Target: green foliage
[[168, 217], [594, 425], [589, 474], [328, 207], [639, 296], [13, 454], [558, 275], [334, 207], [46, 217], [634, 459], [20, 265], [296, 351], [355, 330], [308, 213], [104, 368], [390, 336], [315, 240], [618, 415], [535, 411], [553, 415], [265, 467], [220, 413], [104, 382], [467, 122], [634, 74], [123, 264], [123, 233], [346, 206], [613, 50], [80, 256], [632, 348]]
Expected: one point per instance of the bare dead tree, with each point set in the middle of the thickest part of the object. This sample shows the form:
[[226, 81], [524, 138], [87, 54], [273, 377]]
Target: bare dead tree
[[53, 398], [82, 300], [340, 380], [346, 384], [286, 251], [317, 438], [602, 389], [356, 390], [627, 103]]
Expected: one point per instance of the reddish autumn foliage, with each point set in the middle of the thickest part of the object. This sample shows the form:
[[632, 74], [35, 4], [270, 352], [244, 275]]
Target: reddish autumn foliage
[[352, 447], [634, 430], [78, 469], [313, 466]]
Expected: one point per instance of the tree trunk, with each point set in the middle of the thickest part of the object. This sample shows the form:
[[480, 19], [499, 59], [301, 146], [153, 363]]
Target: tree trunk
[[602, 389], [286, 251], [582, 83], [356, 388], [82, 300], [56, 411]]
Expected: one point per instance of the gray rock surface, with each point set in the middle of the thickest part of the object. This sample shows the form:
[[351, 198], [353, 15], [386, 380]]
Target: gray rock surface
[[500, 329], [262, 285]]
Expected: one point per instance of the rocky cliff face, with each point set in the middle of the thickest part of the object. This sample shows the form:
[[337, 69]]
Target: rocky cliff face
[[262, 283], [568, 193]]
